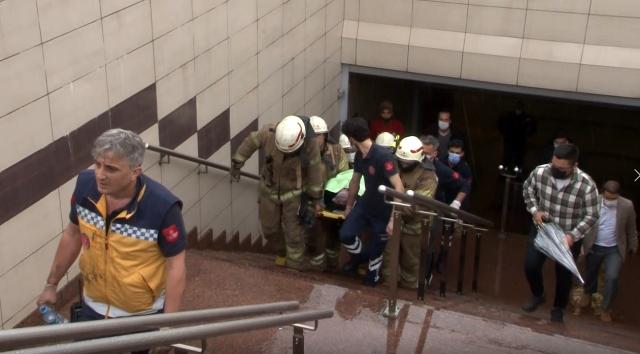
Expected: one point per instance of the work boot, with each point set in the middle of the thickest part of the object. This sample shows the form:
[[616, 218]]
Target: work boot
[[533, 303], [556, 315], [605, 316], [351, 267], [585, 300]]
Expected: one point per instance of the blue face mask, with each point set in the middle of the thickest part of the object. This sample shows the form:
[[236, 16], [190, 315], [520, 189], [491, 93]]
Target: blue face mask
[[454, 158]]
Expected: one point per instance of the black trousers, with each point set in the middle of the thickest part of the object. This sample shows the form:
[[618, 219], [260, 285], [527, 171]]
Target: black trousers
[[534, 261]]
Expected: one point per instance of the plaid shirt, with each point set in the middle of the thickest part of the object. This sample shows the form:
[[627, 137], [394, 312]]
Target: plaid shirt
[[574, 208]]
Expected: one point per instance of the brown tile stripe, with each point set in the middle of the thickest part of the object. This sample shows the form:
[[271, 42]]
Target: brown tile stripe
[[35, 176], [238, 138], [214, 135], [178, 125]]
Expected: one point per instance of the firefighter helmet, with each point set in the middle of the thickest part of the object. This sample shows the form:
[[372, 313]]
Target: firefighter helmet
[[386, 139], [319, 125], [290, 133], [410, 149]]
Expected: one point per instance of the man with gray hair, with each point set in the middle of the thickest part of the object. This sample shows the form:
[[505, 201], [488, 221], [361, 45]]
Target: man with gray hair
[[129, 233]]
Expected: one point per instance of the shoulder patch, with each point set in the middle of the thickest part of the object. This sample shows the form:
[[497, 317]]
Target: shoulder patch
[[171, 233], [455, 175], [388, 166]]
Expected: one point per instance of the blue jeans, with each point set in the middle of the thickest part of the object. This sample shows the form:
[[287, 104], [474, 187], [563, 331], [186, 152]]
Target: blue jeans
[[357, 221], [612, 260]]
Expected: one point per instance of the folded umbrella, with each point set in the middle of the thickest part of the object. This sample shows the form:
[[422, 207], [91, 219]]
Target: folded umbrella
[[551, 241]]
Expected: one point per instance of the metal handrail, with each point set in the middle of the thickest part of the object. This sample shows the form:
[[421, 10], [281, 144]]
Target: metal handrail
[[139, 341], [14, 338], [169, 152], [432, 204]]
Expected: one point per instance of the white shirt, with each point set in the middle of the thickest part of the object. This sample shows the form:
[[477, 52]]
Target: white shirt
[[607, 226]]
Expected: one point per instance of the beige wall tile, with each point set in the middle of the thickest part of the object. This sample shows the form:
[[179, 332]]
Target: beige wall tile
[[241, 14], [348, 52], [314, 27], [269, 28], [243, 112], [149, 136], [202, 6], [24, 132], [212, 101], [493, 45], [330, 92], [19, 26], [332, 114], [270, 60], [629, 8], [575, 6], [58, 17], [78, 102], [313, 84], [397, 12], [245, 201], [21, 314], [212, 65], [611, 56], [127, 30], [613, 31], [520, 4], [173, 50], [489, 68], [294, 14], [374, 32], [552, 51], [440, 15], [270, 91], [293, 73], [65, 192], [243, 45], [175, 89], [609, 81], [210, 29], [350, 29], [191, 217], [382, 55], [555, 26], [110, 6], [435, 61], [73, 55], [42, 219], [314, 56], [436, 39], [333, 41], [266, 6], [272, 115], [352, 10], [243, 80], [313, 107], [335, 13], [314, 5], [332, 67], [188, 190], [30, 274], [293, 42], [214, 177], [293, 100], [548, 75], [176, 170], [496, 21], [216, 200], [130, 74], [220, 223], [23, 80], [167, 15]]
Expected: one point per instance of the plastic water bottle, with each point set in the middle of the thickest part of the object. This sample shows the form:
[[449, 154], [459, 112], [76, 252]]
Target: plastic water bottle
[[50, 316]]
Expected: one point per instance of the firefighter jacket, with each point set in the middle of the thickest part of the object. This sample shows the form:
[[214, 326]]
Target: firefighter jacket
[[334, 161], [284, 176], [121, 263], [423, 181]]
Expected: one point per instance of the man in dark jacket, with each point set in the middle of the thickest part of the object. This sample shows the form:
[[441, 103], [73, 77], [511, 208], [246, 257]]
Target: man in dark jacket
[[445, 132]]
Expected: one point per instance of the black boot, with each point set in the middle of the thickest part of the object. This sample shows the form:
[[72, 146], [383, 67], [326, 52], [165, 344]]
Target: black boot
[[351, 267], [556, 315], [533, 303]]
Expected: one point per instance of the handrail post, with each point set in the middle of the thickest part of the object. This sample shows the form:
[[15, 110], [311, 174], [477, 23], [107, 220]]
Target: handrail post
[[445, 244], [392, 308], [298, 340], [463, 252], [476, 263], [425, 243]]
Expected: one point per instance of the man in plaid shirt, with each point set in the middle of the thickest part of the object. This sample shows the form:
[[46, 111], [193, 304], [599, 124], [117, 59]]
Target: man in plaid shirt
[[558, 192]]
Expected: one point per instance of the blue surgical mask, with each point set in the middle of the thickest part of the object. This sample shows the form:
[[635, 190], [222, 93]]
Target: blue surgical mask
[[454, 158]]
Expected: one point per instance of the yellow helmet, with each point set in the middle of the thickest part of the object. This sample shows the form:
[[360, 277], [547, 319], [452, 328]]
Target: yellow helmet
[[290, 133]]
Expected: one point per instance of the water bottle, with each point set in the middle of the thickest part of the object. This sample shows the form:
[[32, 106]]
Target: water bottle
[[50, 316]]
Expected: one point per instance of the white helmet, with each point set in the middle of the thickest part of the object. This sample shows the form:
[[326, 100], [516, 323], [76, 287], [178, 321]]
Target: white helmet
[[290, 133], [386, 139], [344, 142], [319, 125], [410, 149]]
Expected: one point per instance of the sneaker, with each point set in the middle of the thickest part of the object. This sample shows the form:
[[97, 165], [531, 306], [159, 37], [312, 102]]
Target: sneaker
[[556, 315], [533, 303], [605, 316]]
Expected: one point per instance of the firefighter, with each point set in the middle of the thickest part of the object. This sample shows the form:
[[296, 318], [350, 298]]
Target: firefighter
[[291, 185], [325, 249], [348, 149], [387, 140], [419, 176]]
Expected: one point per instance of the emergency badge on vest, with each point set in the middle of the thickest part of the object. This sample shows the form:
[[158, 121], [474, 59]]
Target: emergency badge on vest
[[171, 233]]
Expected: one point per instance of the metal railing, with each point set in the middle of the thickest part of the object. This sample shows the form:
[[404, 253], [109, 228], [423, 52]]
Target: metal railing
[[164, 152], [19, 338], [440, 211]]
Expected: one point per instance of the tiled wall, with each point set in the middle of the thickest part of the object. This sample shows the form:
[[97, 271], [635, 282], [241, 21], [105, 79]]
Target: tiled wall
[[588, 46], [191, 75]]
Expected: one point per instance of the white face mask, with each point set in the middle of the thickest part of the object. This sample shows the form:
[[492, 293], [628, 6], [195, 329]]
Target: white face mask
[[443, 125], [351, 157]]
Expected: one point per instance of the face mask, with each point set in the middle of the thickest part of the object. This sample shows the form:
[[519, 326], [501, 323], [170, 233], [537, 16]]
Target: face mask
[[558, 173], [555, 145], [429, 157], [443, 125], [351, 157], [454, 158]]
